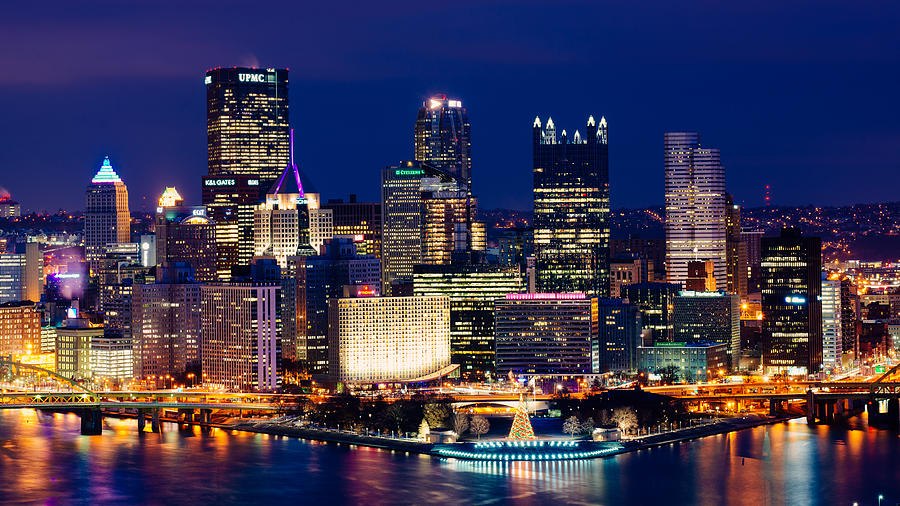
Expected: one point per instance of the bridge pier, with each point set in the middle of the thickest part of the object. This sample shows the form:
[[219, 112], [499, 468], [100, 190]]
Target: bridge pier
[[141, 419], [893, 413], [154, 422], [810, 407], [91, 422], [185, 415], [206, 416], [775, 407]]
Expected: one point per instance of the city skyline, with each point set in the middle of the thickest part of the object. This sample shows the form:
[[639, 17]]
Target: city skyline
[[766, 94]]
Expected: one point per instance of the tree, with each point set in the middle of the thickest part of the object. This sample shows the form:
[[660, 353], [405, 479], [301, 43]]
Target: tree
[[596, 385], [479, 425], [572, 426], [437, 414], [395, 415], [460, 423], [669, 374], [424, 430], [587, 426], [625, 419]]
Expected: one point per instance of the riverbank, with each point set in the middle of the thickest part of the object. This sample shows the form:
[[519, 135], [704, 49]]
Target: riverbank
[[723, 426]]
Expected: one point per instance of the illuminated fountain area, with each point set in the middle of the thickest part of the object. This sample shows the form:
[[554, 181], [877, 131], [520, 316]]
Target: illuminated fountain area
[[535, 450], [521, 444]]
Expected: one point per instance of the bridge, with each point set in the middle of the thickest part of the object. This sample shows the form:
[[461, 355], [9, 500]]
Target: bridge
[[826, 401], [192, 405]]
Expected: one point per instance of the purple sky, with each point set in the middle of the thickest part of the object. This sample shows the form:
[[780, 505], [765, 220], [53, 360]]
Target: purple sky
[[803, 97]]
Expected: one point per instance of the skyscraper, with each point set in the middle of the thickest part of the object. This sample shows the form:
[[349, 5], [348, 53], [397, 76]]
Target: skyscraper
[[166, 323], [472, 289], [792, 309], [361, 220], [442, 138], [239, 336], [106, 216], [832, 329], [709, 317], [695, 207], [230, 202], [247, 122], [186, 234], [619, 336], [281, 224], [546, 334], [735, 249], [402, 218], [571, 209]]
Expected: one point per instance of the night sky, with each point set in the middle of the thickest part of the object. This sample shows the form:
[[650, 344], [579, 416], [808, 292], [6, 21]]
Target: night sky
[[802, 97]]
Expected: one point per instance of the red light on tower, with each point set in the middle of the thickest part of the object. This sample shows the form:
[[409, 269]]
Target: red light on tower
[[767, 196]]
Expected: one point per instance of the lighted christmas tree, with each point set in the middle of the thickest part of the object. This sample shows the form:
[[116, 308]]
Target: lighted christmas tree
[[521, 427]]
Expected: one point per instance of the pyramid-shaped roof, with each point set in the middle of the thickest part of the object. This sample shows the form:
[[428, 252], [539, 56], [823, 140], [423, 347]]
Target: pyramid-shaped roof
[[289, 182], [106, 174]]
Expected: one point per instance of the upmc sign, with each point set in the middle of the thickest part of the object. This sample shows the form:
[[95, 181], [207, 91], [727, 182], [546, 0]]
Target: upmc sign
[[253, 78]]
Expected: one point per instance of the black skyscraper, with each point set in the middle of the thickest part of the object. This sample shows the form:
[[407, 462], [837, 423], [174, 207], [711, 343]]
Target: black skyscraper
[[791, 302], [571, 209]]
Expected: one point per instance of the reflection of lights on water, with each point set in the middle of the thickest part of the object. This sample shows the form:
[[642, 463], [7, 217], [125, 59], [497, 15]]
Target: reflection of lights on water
[[558, 472]]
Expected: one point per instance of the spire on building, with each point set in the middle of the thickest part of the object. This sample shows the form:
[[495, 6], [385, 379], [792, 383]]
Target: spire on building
[[591, 121], [537, 122], [289, 181], [106, 174]]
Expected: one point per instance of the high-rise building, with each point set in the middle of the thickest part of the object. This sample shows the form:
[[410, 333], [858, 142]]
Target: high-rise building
[[230, 202], [735, 250], [166, 323], [321, 223], [700, 276], [624, 272], [652, 251], [73, 346], [849, 304], [383, 339], [447, 225], [21, 273], [752, 239], [792, 309], [106, 216], [545, 334], [247, 122], [713, 317], [281, 223], [695, 207], [401, 218], [656, 301], [442, 138], [20, 328], [111, 356], [186, 234], [120, 269], [359, 220], [571, 209], [619, 336], [832, 338], [695, 362], [472, 290], [9, 208], [240, 336], [320, 279]]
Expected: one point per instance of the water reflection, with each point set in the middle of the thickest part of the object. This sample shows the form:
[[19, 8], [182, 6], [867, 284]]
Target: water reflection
[[43, 458]]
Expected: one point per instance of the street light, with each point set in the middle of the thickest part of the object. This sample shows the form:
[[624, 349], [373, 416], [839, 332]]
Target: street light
[[880, 497]]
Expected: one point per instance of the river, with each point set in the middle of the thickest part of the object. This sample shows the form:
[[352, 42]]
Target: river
[[44, 459]]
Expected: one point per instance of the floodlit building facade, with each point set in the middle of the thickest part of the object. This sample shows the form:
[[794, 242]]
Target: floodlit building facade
[[695, 207], [709, 317], [384, 339], [20, 328]]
